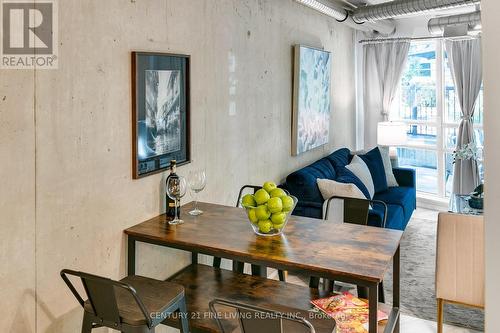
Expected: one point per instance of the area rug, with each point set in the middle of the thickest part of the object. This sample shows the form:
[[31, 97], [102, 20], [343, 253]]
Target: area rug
[[418, 259]]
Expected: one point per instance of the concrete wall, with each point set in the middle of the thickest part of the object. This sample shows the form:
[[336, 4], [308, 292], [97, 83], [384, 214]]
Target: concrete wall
[[67, 204], [491, 49]]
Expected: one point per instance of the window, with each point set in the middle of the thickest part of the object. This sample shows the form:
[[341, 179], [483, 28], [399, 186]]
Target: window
[[428, 104]]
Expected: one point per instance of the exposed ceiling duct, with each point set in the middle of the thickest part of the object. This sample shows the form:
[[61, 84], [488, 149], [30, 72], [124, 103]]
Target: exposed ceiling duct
[[342, 14], [399, 8], [461, 24]]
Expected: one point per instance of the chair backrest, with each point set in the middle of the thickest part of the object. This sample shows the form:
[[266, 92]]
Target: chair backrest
[[246, 188], [243, 318], [460, 259], [101, 293], [350, 210]]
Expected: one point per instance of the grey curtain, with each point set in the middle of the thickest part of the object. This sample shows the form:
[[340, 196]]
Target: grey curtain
[[383, 66], [464, 58]]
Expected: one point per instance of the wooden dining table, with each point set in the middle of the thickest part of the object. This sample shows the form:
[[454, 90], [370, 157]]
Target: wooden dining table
[[350, 253]]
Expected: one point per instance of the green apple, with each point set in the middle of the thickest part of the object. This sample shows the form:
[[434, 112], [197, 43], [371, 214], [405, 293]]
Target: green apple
[[278, 218], [274, 205], [287, 203], [265, 226], [278, 226], [252, 216], [261, 196], [262, 213], [248, 201], [277, 193], [269, 186]]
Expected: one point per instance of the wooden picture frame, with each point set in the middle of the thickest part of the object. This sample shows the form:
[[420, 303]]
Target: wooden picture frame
[[160, 111]]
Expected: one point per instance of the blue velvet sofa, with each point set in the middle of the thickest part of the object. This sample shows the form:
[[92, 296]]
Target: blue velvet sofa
[[401, 201]]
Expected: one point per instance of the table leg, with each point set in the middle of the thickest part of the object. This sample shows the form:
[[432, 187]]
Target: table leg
[[259, 271], [194, 258], [131, 256], [373, 308], [396, 285]]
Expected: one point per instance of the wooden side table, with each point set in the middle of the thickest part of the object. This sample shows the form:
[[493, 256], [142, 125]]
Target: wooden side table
[[459, 261]]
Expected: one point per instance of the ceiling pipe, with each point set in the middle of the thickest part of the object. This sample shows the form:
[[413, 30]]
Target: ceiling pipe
[[470, 21], [342, 14], [399, 8]]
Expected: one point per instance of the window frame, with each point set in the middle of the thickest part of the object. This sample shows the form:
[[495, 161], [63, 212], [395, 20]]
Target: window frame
[[439, 123]]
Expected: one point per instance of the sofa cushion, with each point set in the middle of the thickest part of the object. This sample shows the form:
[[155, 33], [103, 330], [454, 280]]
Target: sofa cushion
[[302, 183], [374, 162], [330, 188], [340, 158], [389, 174], [395, 217], [359, 168], [402, 196], [346, 176]]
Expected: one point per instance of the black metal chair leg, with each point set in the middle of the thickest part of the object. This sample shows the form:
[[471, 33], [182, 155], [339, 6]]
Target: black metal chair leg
[[258, 270], [86, 324], [329, 285], [238, 266], [362, 292], [282, 275], [183, 316], [381, 293], [313, 282], [217, 261]]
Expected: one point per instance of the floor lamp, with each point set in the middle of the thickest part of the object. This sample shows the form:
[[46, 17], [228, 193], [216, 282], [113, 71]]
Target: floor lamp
[[391, 134]]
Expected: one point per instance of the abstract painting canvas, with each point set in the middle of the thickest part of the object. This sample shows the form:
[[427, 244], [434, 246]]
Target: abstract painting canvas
[[161, 111], [311, 102]]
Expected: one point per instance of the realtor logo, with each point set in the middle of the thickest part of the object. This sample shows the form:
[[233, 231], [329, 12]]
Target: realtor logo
[[29, 34]]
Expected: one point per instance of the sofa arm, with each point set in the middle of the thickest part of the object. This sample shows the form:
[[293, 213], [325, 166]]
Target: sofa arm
[[405, 177]]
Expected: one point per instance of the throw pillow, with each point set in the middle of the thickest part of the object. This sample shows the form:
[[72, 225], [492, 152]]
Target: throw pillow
[[345, 176], [330, 188], [359, 169], [375, 164], [389, 174]]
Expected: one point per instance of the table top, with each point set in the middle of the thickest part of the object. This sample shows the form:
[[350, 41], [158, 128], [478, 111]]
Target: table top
[[459, 204], [308, 245]]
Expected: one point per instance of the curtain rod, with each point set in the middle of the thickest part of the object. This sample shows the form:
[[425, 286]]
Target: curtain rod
[[403, 39]]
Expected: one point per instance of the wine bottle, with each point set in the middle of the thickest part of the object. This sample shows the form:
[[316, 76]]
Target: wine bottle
[[170, 203]]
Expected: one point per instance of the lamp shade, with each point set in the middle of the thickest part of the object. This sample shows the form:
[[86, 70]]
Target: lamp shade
[[391, 133]]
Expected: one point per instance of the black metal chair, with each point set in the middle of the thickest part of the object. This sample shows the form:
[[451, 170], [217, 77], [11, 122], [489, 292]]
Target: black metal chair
[[355, 211], [134, 304], [252, 319]]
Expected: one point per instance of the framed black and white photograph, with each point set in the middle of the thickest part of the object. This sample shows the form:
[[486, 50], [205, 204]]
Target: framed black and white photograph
[[160, 115]]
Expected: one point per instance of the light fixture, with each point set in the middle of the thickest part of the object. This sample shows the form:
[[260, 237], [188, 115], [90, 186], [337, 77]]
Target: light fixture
[[391, 134]]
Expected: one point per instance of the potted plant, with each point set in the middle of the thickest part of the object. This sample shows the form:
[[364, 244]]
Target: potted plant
[[477, 197]]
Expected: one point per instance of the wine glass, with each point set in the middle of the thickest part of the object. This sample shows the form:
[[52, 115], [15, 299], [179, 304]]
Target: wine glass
[[197, 180], [176, 189]]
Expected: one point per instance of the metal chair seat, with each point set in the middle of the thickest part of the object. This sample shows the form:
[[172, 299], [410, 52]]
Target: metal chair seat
[[134, 304], [157, 296]]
